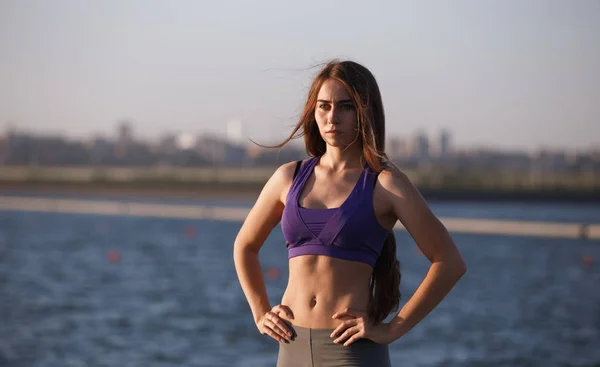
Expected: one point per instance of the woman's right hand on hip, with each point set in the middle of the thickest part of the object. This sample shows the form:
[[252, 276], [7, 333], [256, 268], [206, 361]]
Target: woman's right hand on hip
[[272, 324]]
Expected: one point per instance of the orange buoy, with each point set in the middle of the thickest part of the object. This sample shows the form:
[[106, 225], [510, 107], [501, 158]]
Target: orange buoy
[[190, 232], [587, 260], [273, 273], [113, 256]]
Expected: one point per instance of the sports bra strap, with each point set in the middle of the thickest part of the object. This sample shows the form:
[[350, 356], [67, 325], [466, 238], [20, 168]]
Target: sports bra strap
[[298, 164]]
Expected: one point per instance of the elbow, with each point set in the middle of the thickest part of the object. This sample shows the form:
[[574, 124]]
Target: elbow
[[455, 271], [462, 268], [452, 264], [241, 249], [455, 267], [240, 256], [459, 267], [238, 250], [457, 264]]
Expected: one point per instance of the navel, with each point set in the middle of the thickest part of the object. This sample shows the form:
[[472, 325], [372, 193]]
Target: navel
[[313, 302]]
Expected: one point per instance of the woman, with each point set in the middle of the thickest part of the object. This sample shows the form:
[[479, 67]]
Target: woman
[[337, 211]]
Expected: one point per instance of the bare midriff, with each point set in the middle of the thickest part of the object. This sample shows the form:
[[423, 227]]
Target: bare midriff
[[319, 286]]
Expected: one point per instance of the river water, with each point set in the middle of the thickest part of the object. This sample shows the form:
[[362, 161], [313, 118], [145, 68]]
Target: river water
[[88, 290]]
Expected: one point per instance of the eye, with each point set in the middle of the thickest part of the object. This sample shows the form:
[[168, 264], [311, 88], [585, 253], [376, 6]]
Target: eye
[[348, 106], [324, 106]]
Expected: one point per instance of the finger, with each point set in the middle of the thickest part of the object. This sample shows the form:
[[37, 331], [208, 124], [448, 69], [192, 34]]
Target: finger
[[278, 310], [347, 334], [343, 326], [274, 335], [277, 325], [281, 325], [270, 324], [353, 338]]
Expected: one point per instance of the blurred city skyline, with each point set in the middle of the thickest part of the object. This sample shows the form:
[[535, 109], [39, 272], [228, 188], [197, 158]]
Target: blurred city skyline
[[509, 75], [234, 134]]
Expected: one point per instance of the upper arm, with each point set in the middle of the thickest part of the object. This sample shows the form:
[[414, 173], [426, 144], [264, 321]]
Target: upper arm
[[267, 211], [411, 209]]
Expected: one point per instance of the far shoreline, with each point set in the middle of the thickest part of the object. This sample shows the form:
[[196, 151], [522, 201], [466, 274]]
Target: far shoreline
[[249, 193]]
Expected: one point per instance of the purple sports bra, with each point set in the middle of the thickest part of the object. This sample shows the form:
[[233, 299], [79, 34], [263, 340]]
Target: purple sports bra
[[349, 232]]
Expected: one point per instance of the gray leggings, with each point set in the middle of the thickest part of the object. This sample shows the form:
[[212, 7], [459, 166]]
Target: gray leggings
[[315, 348]]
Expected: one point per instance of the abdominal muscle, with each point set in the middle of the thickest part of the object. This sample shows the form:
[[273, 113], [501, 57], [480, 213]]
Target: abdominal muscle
[[320, 286]]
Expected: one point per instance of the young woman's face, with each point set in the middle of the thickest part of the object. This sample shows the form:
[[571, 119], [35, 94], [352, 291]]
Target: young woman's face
[[335, 114]]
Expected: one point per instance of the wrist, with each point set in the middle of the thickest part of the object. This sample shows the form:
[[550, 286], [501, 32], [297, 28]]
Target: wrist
[[258, 318], [259, 315]]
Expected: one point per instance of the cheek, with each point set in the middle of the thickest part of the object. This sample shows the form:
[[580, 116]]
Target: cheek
[[350, 118], [320, 118]]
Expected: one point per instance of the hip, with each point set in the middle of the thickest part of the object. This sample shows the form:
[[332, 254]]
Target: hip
[[313, 347]]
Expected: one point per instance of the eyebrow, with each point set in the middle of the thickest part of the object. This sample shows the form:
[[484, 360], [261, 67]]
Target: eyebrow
[[340, 101]]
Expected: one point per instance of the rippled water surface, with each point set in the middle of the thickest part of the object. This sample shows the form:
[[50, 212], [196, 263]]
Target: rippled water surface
[[83, 290]]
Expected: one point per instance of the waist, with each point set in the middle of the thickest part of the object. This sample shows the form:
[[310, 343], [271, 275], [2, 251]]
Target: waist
[[320, 286], [315, 311]]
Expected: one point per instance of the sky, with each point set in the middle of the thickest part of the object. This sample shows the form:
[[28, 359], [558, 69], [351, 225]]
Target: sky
[[505, 74]]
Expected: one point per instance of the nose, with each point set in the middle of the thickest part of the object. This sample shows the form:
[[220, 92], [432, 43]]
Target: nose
[[332, 116]]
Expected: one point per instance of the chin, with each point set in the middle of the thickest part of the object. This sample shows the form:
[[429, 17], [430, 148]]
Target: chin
[[337, 143]]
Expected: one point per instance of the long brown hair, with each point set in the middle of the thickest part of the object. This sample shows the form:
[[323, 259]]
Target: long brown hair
[[364, 92], [385, 282]]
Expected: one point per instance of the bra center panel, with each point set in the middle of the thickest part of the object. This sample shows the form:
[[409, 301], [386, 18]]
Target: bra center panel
[[315, 219]]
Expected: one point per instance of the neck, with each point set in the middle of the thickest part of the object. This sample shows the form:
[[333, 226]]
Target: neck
[[338, 159]]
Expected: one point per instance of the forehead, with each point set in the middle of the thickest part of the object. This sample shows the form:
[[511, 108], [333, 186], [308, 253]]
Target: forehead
[[333, 90]]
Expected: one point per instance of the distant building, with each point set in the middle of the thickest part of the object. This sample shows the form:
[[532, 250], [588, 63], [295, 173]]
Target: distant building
[[125, 132], [553, 160], [220, 151], [441, 144], [3, 149], [168, 144], [100, 150], [418, 146], [397, 148], [124, 139]]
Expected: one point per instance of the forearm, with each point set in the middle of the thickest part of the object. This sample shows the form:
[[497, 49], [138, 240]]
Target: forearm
[[440, 279], [250, 276]]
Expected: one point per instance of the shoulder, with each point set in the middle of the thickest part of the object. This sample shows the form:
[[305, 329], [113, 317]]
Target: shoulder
[[282, 178], [395, 182], [284, 173], [286, 169], [402, 195]]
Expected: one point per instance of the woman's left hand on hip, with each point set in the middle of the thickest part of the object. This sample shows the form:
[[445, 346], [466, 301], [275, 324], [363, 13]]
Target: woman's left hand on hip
[[359, 327]]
